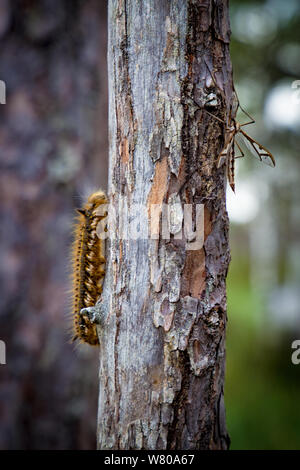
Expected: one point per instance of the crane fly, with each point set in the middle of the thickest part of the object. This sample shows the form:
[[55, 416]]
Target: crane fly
[[227, 154], [234, 130]]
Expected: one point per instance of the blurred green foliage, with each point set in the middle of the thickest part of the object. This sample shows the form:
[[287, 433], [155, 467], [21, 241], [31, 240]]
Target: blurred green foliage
[[262, 385]]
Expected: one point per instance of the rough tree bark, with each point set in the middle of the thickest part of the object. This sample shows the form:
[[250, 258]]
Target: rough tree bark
[[162, 351]]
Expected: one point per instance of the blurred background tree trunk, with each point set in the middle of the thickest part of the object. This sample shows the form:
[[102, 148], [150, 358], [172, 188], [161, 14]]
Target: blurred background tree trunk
[[53, 145], [163, 343]]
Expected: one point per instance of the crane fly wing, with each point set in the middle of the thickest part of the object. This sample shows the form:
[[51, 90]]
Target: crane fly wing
[[235, 104], [258, 150]]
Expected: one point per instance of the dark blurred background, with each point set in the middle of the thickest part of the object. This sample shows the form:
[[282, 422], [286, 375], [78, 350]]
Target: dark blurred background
[[53, 147]]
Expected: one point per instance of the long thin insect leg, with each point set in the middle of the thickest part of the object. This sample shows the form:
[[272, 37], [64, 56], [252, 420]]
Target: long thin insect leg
[[252, 120], [218, 119], [247, 123], [242, 153]]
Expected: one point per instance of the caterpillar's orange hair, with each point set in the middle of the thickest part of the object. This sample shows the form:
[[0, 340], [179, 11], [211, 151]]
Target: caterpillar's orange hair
[[88, 258]]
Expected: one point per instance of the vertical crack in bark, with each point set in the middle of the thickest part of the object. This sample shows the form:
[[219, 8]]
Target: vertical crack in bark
[[175, 430], [117, 383], [126, 122], [126, 32]]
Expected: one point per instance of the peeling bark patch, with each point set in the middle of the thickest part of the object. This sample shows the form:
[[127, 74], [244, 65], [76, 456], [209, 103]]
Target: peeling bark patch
[[194, 273], [193, 279], [124, 150], [184, 320], [207, 222], [165, 310], [156, 198], [207, 343], [156, 375], [159, 185], [163, 313]]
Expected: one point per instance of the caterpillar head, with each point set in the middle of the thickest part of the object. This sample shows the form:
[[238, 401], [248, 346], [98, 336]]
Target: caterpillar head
[[96, 198]]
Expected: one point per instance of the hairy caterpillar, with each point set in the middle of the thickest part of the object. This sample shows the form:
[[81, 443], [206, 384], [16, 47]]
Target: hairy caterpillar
[[88, 257]]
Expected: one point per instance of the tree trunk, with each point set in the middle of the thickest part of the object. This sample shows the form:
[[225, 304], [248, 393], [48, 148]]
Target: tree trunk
[[162, 351]]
